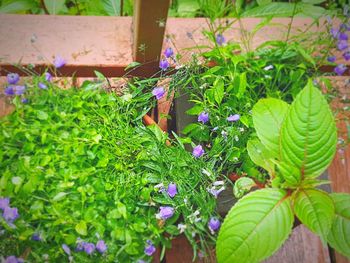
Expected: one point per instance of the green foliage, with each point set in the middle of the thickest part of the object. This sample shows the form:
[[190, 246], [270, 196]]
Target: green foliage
[[339, 236], [255, 227], [18, 6], [112, 7], [54, 6]]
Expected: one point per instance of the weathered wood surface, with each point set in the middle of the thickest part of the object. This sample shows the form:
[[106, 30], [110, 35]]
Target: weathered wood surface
[[106, 43]]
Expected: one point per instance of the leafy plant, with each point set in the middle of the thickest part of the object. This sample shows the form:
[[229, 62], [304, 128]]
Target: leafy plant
[[298, 142]]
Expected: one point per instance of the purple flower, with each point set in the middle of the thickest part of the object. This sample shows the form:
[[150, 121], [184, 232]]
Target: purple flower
[[198, 151], [164, 64], [203, 117], [340, 69], [36, 237], [172, 190], [234, 117], [334, 32], [101, 246], [215, 192], [89, 248], [165, 212], [214, 224], [346, 55], [66, 249], [12, 78], [168, 52], [42, 85], [48, 76], [220, 39], [24, 100], [80, 245], [149, 248], [10, 214], [9, 91], [342, 44], [59, 62], [342, 36], [13, 259], [158, 92], [19, 90], [331, 59], [4, 202]]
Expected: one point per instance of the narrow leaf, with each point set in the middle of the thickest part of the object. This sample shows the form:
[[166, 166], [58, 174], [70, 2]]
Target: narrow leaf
[[268, 115], [339, 236], [315, 209], [308, 134], [219, 90], [255, 227]]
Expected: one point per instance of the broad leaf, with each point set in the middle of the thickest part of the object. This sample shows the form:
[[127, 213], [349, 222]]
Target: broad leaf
[[17, 6], [314, 2], [242, 186], [112, 7], [81, 228], [272, 9], [219, 90], [315, 209], [255, 227], [268, 115], [291, 175], [263, 2], [260, 155], [54, 6], [339, 236], [308, 134]]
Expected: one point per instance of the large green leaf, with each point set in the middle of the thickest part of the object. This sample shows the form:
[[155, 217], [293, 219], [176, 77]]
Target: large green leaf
[[255, 227], [272, 9], [54, 6], [260, 155], [112, 7], [308, 133], [291, 174], [315, 209], [339, 236], [268, 115], [17, 6]]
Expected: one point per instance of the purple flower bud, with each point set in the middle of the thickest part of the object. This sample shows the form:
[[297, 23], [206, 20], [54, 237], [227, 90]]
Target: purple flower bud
[[164, 64], [12, 78], [66, 249], [234, 117], [36, 237], [59, 62], [334, 32], [158, 92], [220, 39], [13, 259], [149, 248], [214, 224], [10, 214], [342, 44], [101, 246], [19, 90], [331, 59], [24, 100], [346, 55], [198, 151], [168, 52], [48, 76], [80, 245], [9, 91], [172, 190], [340, 69], [343, 36], [203, 117], [42, 85], [89, 248], [165, 212], [4, 202]]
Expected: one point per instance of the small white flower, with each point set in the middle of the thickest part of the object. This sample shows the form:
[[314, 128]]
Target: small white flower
[[236, 138], [207, 173], [196, 213], [241, 129], [216, 183], [181, 227], [198, 219], [268, 67]]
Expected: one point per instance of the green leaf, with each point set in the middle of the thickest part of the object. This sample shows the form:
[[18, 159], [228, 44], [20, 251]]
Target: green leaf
[[219, 90], [242, 85], [42, 115], [260, 155], [312, 11], [132, 65], [263, 2], [81, 228], [339, 236], [308, 133], [54, 6], [59, 196], [268, 115], [272, 9], [255, 227], [242, 186], [17, 6], [313, 2], [112, 7], [291, 174], [195, 110], [187, 8], [315, 209]]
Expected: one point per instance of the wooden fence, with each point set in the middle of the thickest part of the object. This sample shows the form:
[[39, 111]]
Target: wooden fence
[[109, 44]]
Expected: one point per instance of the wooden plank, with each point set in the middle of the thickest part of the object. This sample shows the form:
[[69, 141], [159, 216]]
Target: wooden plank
[[105, 43]]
